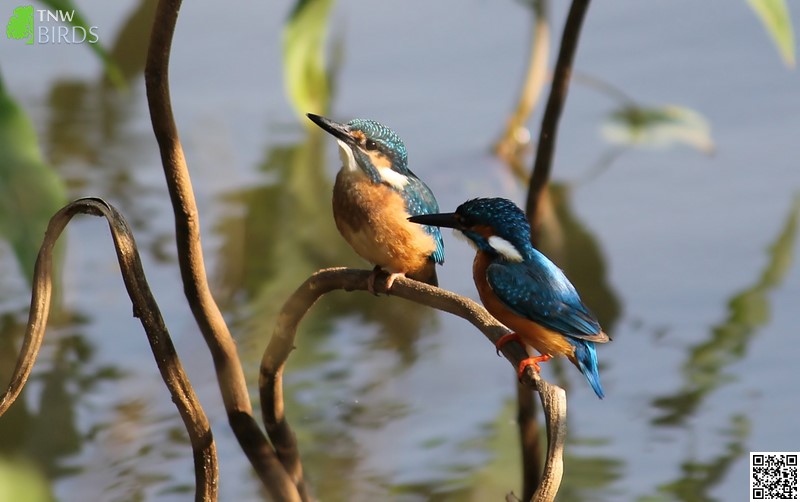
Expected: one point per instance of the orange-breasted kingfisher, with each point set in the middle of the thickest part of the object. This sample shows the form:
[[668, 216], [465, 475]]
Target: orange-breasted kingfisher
[[522, 288], [374, 194]]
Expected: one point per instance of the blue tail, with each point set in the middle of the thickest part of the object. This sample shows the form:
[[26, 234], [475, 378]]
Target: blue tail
[[587, 363]]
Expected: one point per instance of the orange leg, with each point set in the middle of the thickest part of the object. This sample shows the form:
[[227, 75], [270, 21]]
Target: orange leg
[[375, 273], [511, 337], [532, 361]]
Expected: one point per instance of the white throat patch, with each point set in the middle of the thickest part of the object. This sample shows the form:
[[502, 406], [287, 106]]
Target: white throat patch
[[505, 248], [346, 154], [393, 178], [349, 164]]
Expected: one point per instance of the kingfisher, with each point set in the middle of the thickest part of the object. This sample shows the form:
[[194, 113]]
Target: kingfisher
[[374, 194], [522, 288]]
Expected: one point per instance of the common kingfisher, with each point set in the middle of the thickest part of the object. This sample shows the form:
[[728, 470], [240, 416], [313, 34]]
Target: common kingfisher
[[522, 288], [374, 194]]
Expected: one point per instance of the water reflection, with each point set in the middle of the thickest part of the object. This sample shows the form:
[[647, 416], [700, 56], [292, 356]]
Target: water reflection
[[90, 124], [748, 310], [47, 432], [697, 479]]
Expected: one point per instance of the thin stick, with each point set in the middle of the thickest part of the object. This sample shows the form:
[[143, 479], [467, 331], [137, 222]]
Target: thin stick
[[190, 258], [555, 103], [146, 309]]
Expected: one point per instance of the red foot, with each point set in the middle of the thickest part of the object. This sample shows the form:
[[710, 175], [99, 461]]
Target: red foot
[[511, 337], [532, 361]]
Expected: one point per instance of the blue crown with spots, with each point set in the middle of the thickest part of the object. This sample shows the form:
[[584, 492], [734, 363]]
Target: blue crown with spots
[[388, 139], [504, 217]]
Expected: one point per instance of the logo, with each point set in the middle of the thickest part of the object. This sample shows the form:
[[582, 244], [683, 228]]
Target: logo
[[20, 26], [44, 26]]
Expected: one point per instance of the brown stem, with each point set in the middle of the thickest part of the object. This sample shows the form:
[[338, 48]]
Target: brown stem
[[529, 439], [324, 281], [146, 309], [555, 103], [554, 404], [190, 257]]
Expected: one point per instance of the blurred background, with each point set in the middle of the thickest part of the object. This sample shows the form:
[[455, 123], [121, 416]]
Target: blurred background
[[675, 209]]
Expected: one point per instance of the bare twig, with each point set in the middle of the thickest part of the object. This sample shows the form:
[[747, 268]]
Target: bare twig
[[529, 441], [190, 257], [146, 309], [282, 343], [554, 404], [555, 103]]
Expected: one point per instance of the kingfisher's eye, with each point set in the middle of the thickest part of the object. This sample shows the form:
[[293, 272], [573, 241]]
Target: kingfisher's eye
[[370, 145]]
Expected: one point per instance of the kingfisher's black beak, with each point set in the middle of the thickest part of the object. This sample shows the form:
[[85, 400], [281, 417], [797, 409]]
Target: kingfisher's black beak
[[337, 130], [448, 220]]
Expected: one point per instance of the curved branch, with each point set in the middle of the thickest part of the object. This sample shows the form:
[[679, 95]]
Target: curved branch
[[230, 375], [146, 309], [552, 113], [324, 281]]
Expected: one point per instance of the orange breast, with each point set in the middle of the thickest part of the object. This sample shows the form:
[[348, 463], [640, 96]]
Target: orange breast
[[544, 340], [373, 220]]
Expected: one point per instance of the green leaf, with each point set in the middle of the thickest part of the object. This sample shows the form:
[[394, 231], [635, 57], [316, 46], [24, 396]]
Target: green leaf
[[111, 68], [30, 191], [665, 126], [774, 14], [306, 79]]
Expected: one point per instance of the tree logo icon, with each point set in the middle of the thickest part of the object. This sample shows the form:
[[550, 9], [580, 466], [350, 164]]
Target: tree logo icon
[[20, 25]]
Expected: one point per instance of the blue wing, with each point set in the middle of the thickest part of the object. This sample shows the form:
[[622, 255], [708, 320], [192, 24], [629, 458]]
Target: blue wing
[[540, 292], [420, 200]]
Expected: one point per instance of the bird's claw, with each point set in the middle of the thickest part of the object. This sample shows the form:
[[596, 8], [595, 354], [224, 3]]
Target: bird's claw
[[534, 362]]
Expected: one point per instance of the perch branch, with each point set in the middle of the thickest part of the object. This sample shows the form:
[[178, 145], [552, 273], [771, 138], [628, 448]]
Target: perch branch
[[324, 281], [190, 257], [146, 309], [529, 441], [555, 103]]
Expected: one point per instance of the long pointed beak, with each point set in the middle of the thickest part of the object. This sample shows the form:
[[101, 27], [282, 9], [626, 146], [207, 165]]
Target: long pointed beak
[[339, 131], [448, 220]]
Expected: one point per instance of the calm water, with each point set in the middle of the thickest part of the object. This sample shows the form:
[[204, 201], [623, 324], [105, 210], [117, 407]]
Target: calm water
[[688, 258]]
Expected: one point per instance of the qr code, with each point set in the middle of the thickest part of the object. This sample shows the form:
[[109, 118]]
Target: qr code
[[773, 476]]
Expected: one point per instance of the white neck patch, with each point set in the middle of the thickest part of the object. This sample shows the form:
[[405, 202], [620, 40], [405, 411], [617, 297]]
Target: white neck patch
[[393, 178], [349, 164], [346, 154], [505, 249]]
